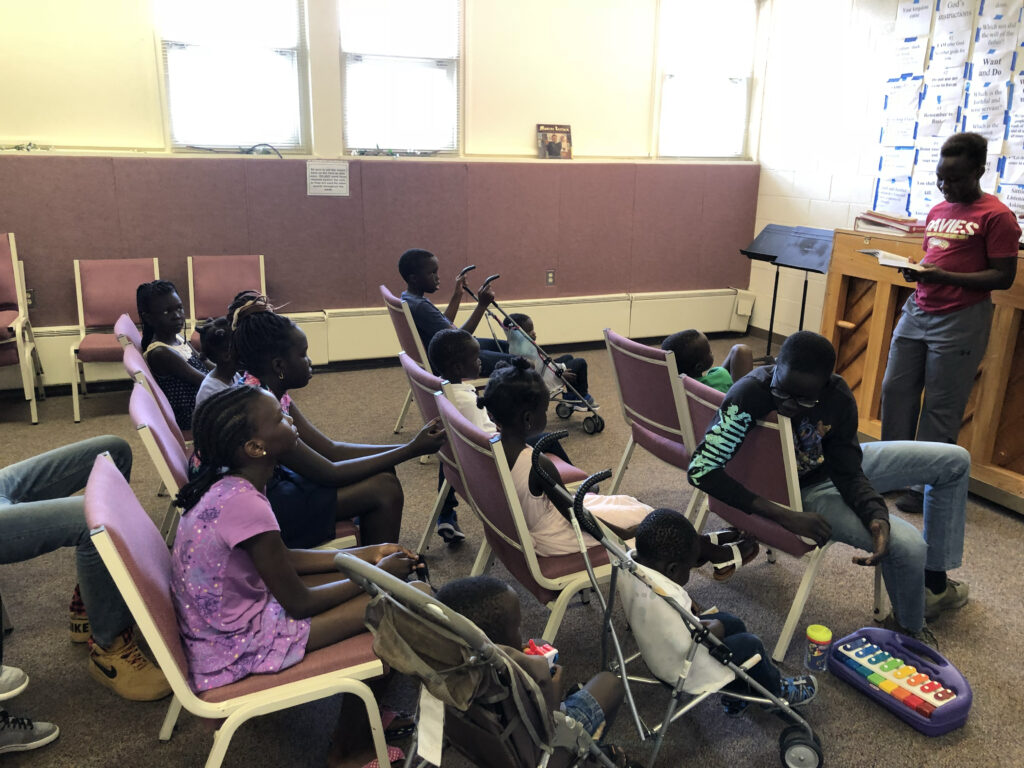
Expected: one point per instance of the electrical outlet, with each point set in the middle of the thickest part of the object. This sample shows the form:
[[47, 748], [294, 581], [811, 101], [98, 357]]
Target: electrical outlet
[[549, 277], [30, 297]]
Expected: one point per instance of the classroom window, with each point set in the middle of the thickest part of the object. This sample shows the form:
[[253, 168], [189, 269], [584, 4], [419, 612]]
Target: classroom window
[[706, 53], [400, 60], [234, 71]]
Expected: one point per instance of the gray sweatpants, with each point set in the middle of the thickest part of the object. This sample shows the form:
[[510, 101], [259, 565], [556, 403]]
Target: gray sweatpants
[[939, 354]]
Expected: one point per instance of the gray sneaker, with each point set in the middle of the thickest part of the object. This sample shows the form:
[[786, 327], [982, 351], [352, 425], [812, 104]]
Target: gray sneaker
[[12, 682], [925, 636], [953, 597], [19, 734]]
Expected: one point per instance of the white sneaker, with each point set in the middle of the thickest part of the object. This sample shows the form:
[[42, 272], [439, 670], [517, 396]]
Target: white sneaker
[[12, 682], [19, 734]]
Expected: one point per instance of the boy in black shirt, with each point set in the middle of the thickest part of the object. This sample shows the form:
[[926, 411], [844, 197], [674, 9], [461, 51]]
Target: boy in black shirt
[[840, 479]]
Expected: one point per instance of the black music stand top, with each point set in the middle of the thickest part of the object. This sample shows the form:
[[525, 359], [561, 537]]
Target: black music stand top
[[805, 248]]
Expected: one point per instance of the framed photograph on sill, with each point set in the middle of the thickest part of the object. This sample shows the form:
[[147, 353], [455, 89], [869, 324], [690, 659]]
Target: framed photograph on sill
[[554, 141]]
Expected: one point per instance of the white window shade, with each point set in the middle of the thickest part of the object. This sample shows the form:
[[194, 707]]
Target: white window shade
[[234, 72], [706, 62], [401, 74]]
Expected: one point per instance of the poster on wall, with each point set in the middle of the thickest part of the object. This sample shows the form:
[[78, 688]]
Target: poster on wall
[[554, 141]]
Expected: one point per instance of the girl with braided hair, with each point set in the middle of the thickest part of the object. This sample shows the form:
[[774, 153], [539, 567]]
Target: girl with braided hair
[[178, 369], [319, 480], [246, 603]]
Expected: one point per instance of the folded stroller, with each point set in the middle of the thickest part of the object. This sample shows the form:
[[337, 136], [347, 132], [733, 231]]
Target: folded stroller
[[799, 746], [497, 715]]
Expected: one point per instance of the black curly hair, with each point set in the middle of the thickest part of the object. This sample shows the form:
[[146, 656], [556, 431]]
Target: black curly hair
[[481, 599], [664, 536]]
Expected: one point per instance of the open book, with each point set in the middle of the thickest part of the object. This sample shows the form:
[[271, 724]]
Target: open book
[[887, 259]]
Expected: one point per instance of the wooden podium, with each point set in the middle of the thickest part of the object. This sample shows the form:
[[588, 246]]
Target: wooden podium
[[863, 302]]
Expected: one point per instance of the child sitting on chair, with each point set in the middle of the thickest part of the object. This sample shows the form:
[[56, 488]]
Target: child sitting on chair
[[694, 358], [215, 342], [246, 603], [455, 355], [667, 548], [574, 369], [494, 607], [516, 400], [176, 366], [419, 270]]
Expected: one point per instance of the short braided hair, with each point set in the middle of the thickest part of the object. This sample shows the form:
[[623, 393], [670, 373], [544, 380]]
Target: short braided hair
[[259, 334], [513, 387], [220, 426]]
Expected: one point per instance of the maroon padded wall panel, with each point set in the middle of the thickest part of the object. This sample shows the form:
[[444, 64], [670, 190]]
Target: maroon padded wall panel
[[59, 209], [513, 225], [173, 208], [412, 204], [312, 245], [605, 227]]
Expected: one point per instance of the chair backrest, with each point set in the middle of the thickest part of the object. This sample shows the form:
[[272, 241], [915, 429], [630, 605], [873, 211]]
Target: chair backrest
[[765, 464], [488, 484], [106, 289], [138, 370], [115, 516], [10, 275], [127, 332], [405, 328], [213, 282], [162, 444], [649, 389]]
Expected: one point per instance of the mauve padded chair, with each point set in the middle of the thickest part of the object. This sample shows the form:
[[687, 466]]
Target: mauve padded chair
[[653, 405], [423, 386], [17, 342], [105, 290], [213, 282], [488, 484], [140, 565], [138, 370], [766, 465], [127, 332]]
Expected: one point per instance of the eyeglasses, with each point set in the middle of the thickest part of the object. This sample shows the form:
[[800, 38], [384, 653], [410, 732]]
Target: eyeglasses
[[782, 395]]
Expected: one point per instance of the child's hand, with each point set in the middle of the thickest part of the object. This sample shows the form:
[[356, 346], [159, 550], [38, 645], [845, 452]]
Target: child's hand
[[460, 285], [485, 296], [429, 439], [397, 564], [715, 627], [569, 376]]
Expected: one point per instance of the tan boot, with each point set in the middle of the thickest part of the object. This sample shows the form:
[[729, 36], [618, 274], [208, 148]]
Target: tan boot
[[124, 669]]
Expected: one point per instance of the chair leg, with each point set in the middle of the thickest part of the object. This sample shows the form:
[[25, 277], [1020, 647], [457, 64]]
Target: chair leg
[[434, 514], [167, 728], [75, 378], [797, 608], [402, 414], [559, 606], [169, 527], [621, 469], [483, 559], [697, 509]]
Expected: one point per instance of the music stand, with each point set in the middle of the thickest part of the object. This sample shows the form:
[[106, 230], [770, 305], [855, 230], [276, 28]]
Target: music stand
[[804, 248]]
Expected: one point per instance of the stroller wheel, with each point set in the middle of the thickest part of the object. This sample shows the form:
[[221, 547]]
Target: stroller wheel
[[589, 425], [599, 423], [564, 410], [798, 750]]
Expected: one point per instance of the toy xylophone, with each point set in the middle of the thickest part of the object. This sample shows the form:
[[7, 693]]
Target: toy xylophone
[[905, 676]]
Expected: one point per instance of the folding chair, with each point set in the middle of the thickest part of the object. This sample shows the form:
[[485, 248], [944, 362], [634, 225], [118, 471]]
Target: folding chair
[[653, 405], [138, 561], [424, 386], [487, 480], [138, 370], [766, 465], [410, 342], [17, 342], [213, 282], [127, 332], [105, 288]]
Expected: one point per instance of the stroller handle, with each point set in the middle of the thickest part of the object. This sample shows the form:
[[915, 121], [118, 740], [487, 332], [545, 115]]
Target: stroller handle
[[464, 271], [586, 520], [375, 581]]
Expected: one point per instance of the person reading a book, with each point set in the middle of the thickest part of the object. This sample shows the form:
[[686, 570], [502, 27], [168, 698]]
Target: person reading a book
[[970, 246]]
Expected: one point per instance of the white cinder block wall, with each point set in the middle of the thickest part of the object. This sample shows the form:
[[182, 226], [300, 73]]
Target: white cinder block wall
[[816, 116]]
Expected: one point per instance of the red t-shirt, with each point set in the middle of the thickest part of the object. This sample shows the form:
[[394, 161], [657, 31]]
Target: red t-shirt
[[962, 237]]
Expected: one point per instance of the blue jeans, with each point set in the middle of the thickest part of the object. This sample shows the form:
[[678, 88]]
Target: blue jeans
[[743, 644], [944, 471], [36, 517], [491, 353]]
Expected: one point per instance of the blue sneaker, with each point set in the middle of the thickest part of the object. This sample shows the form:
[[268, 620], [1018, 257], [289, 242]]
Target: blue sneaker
[[733, 707], [798, 691]]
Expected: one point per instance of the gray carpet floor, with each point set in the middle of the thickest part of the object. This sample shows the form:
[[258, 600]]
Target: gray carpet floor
[[360, 404]]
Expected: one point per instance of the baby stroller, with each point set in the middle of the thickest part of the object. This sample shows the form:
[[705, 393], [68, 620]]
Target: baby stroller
[[799, 746], [568, 400], [499, 714]]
